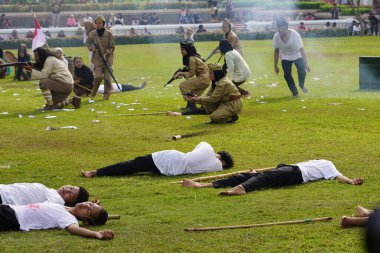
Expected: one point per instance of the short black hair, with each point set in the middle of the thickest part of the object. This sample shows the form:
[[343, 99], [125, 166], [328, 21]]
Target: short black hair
[[82, 195], [225, 46], [227, 159], [100, 220]]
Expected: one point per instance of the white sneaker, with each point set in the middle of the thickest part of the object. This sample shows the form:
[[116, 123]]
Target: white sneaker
[[91, 101]]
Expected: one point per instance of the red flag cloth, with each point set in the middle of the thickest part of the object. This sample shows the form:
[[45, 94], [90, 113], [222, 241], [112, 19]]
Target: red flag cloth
[[39, 37]]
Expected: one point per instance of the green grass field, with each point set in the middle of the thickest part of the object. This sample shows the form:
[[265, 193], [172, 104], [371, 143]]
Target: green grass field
[[334, 121]]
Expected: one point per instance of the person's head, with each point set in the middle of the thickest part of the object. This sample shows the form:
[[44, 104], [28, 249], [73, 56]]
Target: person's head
[[58, 52], [22, 50], [189, 31], [282, 26], [200, 27], [334, 24], [225, 46], [226, 25], [187, 49], [370, 13], [328, 24], [226, 159], [73, 194], [216, 72], [90, 213], [78, 62], [100, 21]]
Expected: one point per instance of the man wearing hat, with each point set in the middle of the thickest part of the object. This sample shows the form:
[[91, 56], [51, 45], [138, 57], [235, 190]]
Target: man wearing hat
[[223, 100], [101, 42]]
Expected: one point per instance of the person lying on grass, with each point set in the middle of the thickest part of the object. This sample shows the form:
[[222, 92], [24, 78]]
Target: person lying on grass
[[29, 193], [170, 163], [282, 175], [361, 219], [49, 215]]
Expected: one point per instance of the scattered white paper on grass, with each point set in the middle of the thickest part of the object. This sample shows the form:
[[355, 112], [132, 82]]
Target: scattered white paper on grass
[[92, 109], [68, 110], [69, 127], [283, 110], [112, 103], [131, 109], [16, 94], [303, 107], [145, 109], [4, 113], [334, 103], [31, 116], [361, 109], [20, 116], [95, 121], [316, 78], [188, 117], [251, 82], [50, 117], [272, 85], [101, 112]]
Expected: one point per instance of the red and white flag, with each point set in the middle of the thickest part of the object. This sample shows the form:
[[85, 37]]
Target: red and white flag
[[39, 37]]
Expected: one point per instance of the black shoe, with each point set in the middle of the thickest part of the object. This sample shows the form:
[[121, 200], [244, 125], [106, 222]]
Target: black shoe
[[76, 102], [233, 119]]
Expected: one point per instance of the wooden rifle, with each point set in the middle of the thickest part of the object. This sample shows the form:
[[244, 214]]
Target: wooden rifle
[[185, 69], [16, 64]]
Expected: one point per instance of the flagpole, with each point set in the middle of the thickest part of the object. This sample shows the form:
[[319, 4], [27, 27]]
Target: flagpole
[[38, 33]]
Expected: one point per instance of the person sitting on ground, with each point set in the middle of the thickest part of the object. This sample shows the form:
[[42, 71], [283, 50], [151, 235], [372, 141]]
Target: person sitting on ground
[[201, 29], [47, 34], [238, 69], [56, 81], [22, 56], [49, 215], [119, 19], [29, 193], [189, 35], [122, 87], [83, 77], [197, 18], [301, 28], [170, 163], [180, 30], [245, 28], [146, 32], [356, 29], [309, 16], [58, 52], [282, 175], [153, 19], [4, 70]]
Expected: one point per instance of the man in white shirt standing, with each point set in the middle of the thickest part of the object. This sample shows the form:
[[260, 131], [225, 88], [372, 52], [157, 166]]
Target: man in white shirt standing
[[29, 193], [282, 175], [170, 163], [48, 215], [287, 43]]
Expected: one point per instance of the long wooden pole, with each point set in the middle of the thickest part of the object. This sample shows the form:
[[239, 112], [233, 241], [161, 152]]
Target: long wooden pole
[[259, 225], [83, 87], [114, 217], [198, 179], [134, 114]]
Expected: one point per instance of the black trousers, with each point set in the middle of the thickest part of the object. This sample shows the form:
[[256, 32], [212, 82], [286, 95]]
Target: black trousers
[[282, 175], [8, 220], [139, 164]]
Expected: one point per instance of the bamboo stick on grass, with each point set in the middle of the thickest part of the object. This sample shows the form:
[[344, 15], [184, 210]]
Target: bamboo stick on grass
[[259, 225]]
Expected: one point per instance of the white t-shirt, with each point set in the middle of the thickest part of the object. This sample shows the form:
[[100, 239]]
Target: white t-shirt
[[290, 50], [238, 69], [43, 216], [201, 159], [318, 169], [27, 193]]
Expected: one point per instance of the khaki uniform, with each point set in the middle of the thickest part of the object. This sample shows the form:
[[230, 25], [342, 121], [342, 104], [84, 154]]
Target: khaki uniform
[[235, 42], [201, 81], [107, 45], [222, 102], [56, 77]]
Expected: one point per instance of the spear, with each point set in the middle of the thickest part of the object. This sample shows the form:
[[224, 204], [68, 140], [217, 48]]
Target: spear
[[259, 225]]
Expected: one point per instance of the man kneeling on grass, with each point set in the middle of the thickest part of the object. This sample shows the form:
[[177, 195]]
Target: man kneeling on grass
[[282, 175], [170, 163], [48, 215]]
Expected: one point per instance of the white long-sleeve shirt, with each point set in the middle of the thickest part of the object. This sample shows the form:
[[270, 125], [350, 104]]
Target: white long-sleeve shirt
[[238, 69]]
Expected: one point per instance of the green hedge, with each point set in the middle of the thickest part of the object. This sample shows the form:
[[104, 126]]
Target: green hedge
[[173, 38], [344, 9]]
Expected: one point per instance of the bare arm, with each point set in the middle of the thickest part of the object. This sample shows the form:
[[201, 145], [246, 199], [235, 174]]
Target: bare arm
[[101, 235], [346, 180], [276, 57], [307, 67]]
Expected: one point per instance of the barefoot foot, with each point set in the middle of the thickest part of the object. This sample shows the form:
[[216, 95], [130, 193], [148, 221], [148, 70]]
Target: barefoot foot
[[190, 183], [88, 174], [362, 212], [237, 190]]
